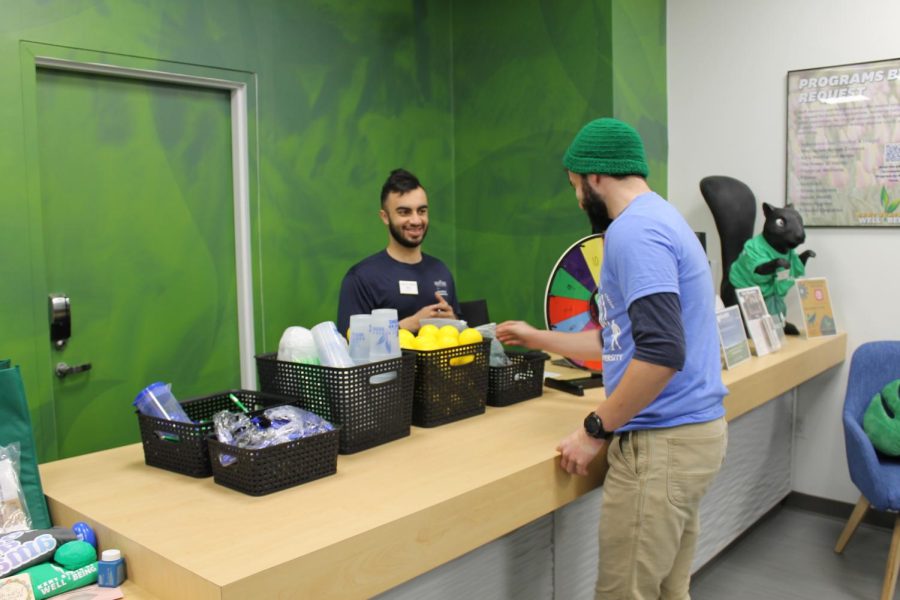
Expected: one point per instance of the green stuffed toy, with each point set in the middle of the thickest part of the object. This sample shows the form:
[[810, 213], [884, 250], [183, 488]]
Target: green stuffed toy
[[769, 260], [881, 422]]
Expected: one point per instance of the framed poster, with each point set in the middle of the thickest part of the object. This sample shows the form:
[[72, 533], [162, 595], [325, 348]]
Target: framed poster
[[843, 144]]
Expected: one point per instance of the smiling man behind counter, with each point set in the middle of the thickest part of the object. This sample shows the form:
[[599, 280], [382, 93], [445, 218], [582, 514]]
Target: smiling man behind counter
[[419, 286]]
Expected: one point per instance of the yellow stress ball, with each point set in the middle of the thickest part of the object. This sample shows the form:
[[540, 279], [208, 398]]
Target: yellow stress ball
[[448, 330], [428, 342], [469, 336], [406, 339], [428, 330], [466, 336], [447, 341]]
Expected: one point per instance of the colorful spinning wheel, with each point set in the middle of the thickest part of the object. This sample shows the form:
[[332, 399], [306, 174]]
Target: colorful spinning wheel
[[572, 292]]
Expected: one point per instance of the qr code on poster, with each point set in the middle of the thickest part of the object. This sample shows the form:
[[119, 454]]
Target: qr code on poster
[[892, 153]]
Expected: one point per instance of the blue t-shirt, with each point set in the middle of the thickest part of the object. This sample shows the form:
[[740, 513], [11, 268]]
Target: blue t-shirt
[[649, 249], [379, 281]]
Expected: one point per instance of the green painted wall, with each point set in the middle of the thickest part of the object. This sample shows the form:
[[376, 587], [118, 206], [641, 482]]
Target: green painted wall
[[346, 91], [527, 75], [479, 99]]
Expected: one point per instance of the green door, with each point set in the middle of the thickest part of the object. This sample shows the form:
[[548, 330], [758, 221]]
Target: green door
[[138, 229]]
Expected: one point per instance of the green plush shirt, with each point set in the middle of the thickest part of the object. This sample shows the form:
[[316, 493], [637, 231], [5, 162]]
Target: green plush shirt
[[757, 251]]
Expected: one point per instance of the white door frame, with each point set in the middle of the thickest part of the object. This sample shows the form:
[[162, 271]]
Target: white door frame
[[240, 184]]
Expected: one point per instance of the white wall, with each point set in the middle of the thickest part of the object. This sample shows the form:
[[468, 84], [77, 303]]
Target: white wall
[[727, 65]]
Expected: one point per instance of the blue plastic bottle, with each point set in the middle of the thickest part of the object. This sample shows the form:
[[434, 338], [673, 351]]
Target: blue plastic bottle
[[110, 569]]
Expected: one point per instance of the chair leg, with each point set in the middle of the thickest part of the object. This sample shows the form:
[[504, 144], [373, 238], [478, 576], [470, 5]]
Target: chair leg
[[893, 564], [856, 517]]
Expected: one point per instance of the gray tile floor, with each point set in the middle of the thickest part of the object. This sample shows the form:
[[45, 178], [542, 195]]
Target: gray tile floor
[[789, 555]]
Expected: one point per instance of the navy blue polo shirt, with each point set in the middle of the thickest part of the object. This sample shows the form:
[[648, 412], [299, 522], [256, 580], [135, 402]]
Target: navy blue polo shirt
[[379, 281]]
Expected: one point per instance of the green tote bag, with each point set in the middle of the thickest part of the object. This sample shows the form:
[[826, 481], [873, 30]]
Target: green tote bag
[[15, 426]]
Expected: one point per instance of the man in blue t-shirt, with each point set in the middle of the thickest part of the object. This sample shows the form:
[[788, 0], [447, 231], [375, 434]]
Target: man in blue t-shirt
[[662, 422], [419, 286]]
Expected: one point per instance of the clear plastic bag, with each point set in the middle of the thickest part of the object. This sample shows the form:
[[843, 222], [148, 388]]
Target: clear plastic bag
[[14, 515], [275, 425], [498, 355]]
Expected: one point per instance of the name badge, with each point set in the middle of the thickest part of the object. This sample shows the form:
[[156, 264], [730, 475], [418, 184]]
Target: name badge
[[782, 275], [409, 288]]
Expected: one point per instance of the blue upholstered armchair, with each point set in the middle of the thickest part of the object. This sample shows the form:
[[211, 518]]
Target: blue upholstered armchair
[[873, 365]]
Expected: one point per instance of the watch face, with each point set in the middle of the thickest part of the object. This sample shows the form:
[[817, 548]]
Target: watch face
[[592, 424]]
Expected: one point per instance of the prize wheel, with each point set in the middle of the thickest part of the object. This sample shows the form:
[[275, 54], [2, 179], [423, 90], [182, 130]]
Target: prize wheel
[[571, 304]]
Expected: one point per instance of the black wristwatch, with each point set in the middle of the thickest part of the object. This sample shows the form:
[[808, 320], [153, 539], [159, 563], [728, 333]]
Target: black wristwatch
[[593, 425]]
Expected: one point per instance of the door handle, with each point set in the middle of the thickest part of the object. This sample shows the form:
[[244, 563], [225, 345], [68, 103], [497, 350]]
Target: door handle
[[63, 369]]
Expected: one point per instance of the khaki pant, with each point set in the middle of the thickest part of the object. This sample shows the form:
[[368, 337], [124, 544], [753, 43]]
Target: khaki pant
[[649, 521]]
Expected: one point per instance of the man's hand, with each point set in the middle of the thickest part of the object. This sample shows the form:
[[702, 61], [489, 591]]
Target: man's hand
[[517, 333], [441, 310], [577, 451]]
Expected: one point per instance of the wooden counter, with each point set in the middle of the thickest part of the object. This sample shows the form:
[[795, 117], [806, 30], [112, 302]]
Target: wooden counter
[[390, 513]]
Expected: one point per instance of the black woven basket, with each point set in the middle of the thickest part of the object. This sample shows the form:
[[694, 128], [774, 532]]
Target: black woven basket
[[181, 447], [370, 412], [522, 380], [266, 470], [448, 392]]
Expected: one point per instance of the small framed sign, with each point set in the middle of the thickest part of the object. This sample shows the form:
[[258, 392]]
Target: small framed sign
[[762, 328], [735, 348], [816, 303]]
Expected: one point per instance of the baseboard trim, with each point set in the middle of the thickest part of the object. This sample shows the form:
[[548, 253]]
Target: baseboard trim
[[837, 509]]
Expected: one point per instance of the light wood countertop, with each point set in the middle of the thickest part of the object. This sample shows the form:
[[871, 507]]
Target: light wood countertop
[[389, 514]]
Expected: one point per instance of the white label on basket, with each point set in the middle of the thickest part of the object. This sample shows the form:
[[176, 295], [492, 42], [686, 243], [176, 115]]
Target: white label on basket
[[409, 288]]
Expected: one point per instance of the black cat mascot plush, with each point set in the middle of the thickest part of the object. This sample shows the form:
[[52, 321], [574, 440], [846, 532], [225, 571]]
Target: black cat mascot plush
[[769, 261]]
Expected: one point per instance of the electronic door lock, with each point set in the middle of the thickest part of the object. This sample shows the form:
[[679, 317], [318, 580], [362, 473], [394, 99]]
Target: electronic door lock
[[60, 319]]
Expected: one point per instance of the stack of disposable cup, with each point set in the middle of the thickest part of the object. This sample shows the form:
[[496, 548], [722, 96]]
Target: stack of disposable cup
[[384, 331], [384, 340], [332, 346], [157, 400], [360, 338]]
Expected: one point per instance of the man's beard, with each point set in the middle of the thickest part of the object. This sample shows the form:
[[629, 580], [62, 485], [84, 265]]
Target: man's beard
[[397, 234], [595, 208]]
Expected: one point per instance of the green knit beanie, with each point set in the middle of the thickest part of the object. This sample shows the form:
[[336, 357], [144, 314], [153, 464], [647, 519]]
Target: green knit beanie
[[881, 421], [607, 147]]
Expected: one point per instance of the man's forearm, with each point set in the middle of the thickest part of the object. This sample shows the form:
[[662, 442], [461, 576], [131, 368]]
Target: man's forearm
[[582, 345], [640, 385]]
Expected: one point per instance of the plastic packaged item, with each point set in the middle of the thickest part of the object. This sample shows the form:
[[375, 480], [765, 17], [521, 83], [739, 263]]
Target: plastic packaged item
[[359, 338], [111, 568], [332, 347], [157, 400], [275, 425], [14, 515], [498, 356], [297, 345]]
